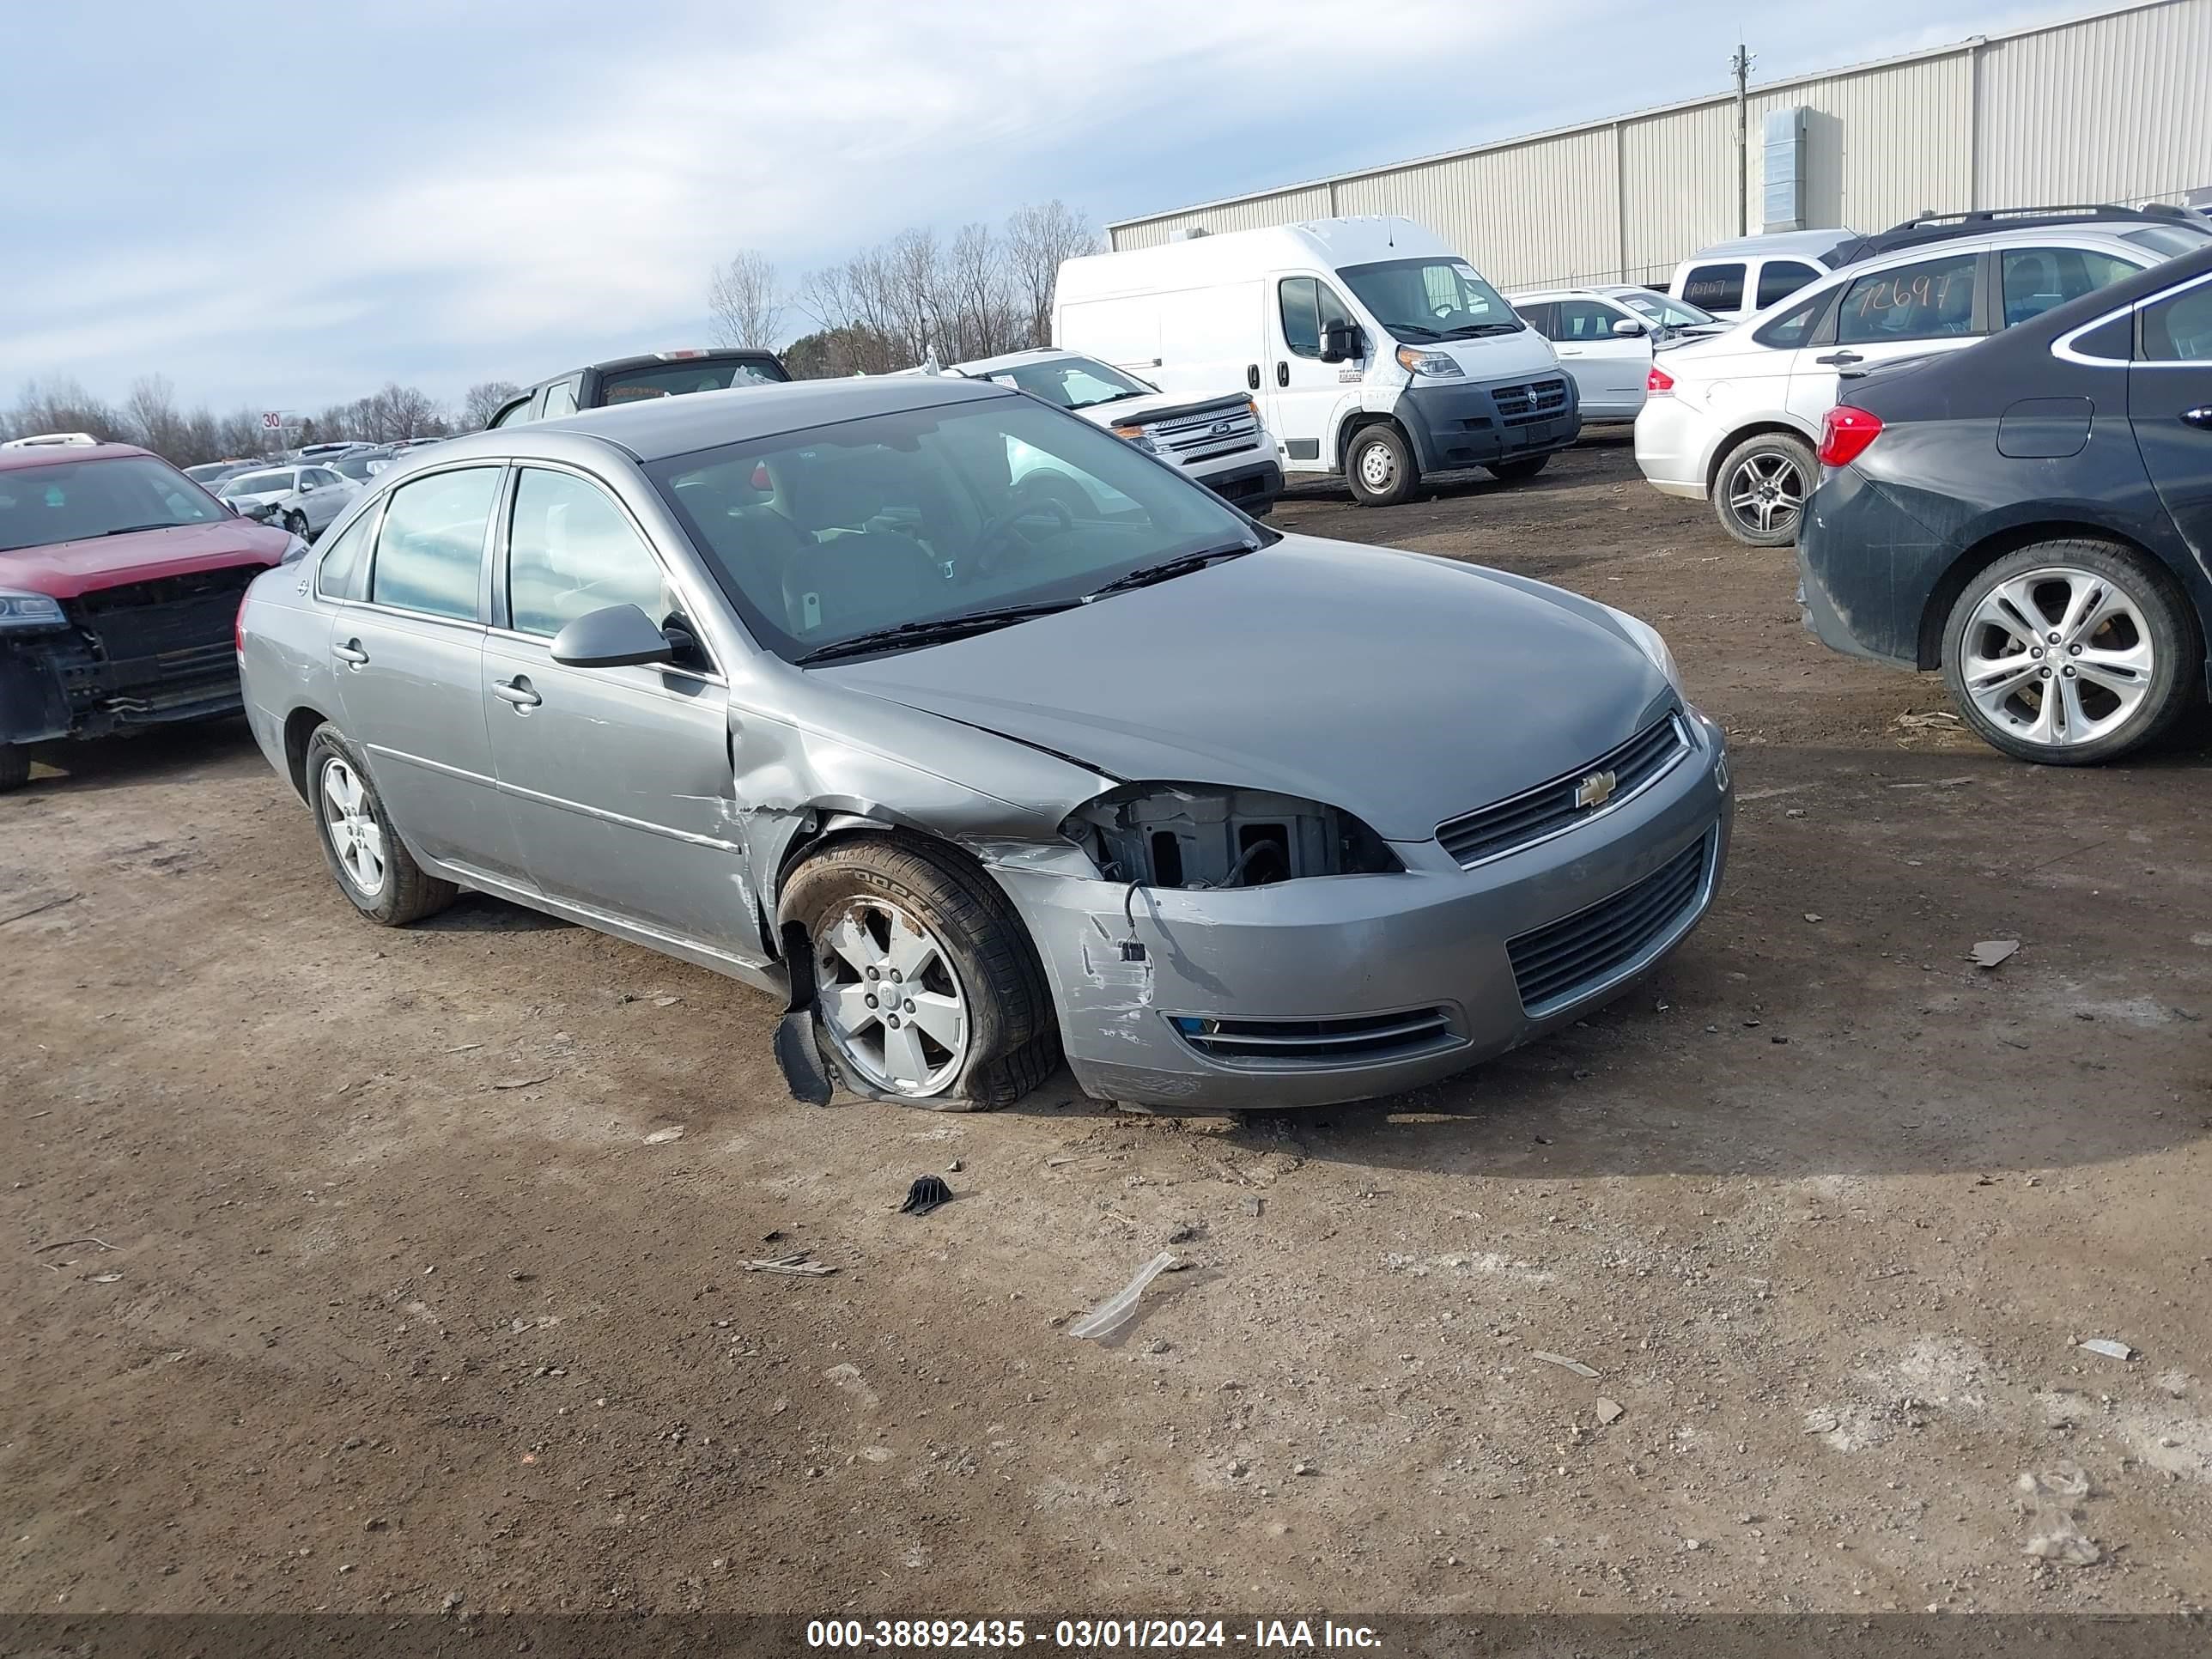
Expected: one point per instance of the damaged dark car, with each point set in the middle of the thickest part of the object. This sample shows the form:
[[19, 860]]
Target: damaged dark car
[[120, 581], [811, 685]]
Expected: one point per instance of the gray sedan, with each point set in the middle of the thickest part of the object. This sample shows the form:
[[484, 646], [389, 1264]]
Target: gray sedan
[[984, 740]]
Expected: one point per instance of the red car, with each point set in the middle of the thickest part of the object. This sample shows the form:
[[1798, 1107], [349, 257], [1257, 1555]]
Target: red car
[[120, 585]]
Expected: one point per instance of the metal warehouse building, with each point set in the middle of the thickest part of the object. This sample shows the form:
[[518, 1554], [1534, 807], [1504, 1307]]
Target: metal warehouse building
[[2113, 107]]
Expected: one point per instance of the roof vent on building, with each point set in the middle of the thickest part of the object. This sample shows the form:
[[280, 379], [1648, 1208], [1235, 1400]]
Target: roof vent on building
[[1187, 233]]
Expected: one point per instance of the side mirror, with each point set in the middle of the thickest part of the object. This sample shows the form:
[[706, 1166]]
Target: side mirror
[[1628, 328], [1339, 342], [620, 636]]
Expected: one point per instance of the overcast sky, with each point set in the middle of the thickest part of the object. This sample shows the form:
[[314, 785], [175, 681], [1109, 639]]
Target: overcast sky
[[285, 206]]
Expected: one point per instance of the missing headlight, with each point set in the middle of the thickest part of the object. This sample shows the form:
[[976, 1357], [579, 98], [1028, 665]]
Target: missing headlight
[[1172, 835]]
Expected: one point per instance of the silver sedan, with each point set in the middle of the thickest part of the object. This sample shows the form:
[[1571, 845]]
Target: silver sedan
[[982, 739], [302, 499]]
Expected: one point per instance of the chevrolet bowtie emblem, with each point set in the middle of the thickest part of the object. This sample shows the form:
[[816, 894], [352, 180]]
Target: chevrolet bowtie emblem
[[1595, 790]]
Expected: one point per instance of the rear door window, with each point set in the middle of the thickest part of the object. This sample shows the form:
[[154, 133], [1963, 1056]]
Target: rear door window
[[1780, 278], [429, 553], [1538, 314], [2035, 279], [1715, 288], [1931, 301], [2179, 329]]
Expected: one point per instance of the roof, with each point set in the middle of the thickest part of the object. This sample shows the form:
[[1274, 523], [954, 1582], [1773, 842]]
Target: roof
[[1702, 101], [1014, 360], [656, 428], [12, 460], [1784, 242]]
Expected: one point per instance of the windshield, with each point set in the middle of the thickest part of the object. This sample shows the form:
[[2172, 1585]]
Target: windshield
[[2167, 241], [627, 385], [1433, 299], [355, 466], [1071, 382], [73, 499], [258, 484], [819, 536], [1667, 314]]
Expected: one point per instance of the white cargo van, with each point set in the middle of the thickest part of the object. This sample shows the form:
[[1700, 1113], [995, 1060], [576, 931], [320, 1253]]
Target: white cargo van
[[1373, 349]]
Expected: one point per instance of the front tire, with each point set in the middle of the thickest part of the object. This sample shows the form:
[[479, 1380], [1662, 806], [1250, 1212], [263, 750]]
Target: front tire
[[1513, 471], [1380, 466], [369, 862], [2069, 653], [927, 988], [297, 524], [1760, 490]]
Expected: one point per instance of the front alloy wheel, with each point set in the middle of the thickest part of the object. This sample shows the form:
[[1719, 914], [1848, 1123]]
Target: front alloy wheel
[[2067, 652], [891, 1004]]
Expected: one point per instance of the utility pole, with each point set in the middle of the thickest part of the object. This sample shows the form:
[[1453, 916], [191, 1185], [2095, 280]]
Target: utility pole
[[1740, 66]]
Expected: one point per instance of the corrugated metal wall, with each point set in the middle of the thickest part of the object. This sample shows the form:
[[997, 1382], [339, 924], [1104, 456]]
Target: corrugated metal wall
[[2113, 108]]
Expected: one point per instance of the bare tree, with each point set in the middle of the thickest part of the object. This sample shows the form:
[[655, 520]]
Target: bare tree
[[63, 405], [747, 308], [151, 409], [485, 400], [1039, 239], [980, 317]]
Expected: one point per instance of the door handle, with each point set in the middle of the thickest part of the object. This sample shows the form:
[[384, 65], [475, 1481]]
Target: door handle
[[1282, 374], [2200, 416], [350, 652], [517, 691], [1568, 351], [1252, 375], [1840, 359]]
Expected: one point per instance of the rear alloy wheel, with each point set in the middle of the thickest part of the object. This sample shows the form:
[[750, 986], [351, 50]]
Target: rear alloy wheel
[[372, 866], [1760, 490], [2068, 652], [1380, 466], [1527, 467], [926, 989]]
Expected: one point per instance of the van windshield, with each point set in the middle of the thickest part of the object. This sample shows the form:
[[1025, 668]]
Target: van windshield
[[1430, 299]]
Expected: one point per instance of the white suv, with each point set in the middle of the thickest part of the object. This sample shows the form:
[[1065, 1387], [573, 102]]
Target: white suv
[[1734, 418]]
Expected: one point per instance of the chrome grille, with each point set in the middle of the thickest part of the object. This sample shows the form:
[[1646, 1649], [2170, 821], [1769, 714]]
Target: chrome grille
[[1564, 959], [1289, 1044], [1549, 808], [1189, 437]]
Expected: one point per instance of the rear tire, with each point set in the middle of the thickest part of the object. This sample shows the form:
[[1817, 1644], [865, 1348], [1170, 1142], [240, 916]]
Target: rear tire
[[1380, 466], [2122, 676], [1760, 493], [858, 900], [15, 766], [369, 862], [1528, 466]]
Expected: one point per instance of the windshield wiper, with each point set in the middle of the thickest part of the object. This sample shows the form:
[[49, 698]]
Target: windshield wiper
[[1168, 570], [1421, 328], [932, 629], [1468, 331], [133, 529]]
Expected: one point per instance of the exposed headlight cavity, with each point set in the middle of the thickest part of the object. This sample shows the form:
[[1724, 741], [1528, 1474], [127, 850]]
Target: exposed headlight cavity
[[1175, 834]]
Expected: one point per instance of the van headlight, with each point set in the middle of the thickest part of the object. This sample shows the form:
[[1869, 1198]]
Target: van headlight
[[1414, 360], [1651, 645]]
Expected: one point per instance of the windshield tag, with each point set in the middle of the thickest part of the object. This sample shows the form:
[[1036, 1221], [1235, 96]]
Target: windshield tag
[[1006, 381], [1466, 271]]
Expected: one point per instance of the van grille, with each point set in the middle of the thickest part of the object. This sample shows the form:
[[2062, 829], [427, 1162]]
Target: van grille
[[1524, 406], [1549, 808], [1291, 1044], [1566, 958]]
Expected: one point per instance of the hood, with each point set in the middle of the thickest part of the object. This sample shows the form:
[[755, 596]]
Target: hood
[[1488, 357], [63, 570], [1152, 405], [1402, 689]]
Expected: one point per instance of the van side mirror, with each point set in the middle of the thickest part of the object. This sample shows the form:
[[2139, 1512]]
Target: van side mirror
[[1340, 341], [1628, 328], [620, 636]]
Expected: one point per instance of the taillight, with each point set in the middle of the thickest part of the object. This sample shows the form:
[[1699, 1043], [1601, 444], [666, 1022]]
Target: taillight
[[1658, 383], [1844, 434]]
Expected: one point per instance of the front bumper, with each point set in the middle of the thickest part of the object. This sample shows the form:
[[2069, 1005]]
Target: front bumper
[[1674, 446], [1252, 486], [1454, 424], [57, 685], [1412, 970]]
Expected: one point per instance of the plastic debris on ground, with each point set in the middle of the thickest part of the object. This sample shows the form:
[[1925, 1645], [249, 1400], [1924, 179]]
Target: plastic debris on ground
[[925, 1195], [1123, 1303], [801, 1265], [1991, 951], [662, 1136], [2106, 1346], [1562, 1362]]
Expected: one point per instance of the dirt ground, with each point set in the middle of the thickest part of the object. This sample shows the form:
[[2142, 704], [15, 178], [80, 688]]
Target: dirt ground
[[344, 1271]]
